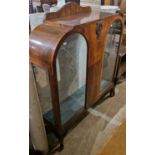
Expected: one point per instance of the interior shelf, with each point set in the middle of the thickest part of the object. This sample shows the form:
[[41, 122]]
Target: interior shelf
[[69, 106], [105, 84]]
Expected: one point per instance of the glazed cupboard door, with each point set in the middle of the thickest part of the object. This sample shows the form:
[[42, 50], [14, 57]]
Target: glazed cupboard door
[[110, 56], [71, 64]]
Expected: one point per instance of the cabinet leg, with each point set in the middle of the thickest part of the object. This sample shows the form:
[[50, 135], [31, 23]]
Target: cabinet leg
[[61, 147], [112, 92], [61, 144]]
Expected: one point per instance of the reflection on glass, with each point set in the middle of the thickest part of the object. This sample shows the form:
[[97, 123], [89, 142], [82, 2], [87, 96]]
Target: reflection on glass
[[71, 75], [110, 54]]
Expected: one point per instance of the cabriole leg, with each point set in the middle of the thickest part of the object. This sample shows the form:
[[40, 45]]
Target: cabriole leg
[[112, 92]]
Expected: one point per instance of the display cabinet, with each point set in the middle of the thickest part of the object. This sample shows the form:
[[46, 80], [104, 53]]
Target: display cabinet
[[74, 55]]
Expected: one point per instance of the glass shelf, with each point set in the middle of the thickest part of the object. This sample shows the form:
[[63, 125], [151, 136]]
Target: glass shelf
[[69, 106], [104, 85]]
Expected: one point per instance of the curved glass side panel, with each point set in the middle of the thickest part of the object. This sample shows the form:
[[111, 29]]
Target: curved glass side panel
[[44, 92], [110, 54], [71, 66]]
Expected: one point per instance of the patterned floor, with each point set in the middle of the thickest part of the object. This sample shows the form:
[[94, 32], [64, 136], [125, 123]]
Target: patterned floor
[[95, 130]]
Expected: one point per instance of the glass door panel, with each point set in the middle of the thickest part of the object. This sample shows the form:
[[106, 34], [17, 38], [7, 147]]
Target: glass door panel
[[71, 64], [110, 54]]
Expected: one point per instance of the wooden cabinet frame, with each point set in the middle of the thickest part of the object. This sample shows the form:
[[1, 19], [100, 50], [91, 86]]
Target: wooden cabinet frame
[[46, 40]]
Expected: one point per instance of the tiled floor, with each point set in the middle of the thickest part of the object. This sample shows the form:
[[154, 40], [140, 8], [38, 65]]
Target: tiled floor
[[97, 128]]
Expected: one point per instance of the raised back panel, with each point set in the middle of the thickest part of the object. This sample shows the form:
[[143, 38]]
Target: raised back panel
[[71, 8]]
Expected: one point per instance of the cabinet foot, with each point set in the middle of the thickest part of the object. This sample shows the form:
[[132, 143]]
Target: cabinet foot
[[112, 93], [61, 147]]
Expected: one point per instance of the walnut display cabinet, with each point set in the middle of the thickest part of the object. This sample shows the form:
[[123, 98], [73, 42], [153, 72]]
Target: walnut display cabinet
[[74, 55]]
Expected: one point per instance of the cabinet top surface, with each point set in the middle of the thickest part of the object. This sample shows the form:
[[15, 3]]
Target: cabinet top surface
[[72, 14], [79, 19]]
